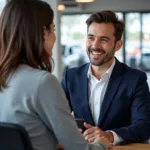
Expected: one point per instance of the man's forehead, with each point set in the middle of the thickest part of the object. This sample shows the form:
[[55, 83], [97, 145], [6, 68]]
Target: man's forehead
[[101, 29]]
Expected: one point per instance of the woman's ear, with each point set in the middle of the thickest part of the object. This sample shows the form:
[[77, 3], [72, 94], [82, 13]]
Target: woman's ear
[[44, 34], [118, 45]]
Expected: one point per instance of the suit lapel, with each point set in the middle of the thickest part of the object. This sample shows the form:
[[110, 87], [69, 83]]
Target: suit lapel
[[83, 81], [111, 90]]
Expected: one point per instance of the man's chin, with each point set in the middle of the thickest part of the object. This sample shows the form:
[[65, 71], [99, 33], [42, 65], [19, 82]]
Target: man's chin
[[94, 63]]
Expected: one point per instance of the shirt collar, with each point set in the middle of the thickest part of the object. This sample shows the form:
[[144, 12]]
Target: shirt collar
[[108, 72]]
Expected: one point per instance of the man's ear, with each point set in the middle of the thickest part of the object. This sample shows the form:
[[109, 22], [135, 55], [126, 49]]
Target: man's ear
[[118, 45]]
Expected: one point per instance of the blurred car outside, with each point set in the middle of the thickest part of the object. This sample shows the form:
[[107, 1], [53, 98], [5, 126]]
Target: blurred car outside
[[73, 55], [133, 55], [145, 58], [138, 57]]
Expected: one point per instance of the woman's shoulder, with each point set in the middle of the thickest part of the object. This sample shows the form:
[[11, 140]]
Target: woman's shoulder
[[33, 72], [33, 76]]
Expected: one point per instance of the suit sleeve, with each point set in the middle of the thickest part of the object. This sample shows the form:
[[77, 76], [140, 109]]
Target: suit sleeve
[[53, 109], [139, 130]]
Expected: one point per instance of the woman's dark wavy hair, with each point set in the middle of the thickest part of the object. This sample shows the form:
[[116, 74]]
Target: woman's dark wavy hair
[[21, 36], [108, 17]]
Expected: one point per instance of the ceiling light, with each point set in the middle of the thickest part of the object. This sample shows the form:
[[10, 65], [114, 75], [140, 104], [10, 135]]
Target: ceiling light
[[84, 1], [61, 7]]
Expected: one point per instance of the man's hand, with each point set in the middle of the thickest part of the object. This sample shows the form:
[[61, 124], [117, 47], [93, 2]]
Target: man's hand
[[104, 141], [93, 133]]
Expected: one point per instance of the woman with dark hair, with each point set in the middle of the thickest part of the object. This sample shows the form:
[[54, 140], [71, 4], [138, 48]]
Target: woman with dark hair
[[29, 94]]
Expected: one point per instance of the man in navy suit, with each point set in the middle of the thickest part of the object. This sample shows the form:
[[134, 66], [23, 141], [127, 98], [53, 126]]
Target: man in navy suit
[[111, 97]]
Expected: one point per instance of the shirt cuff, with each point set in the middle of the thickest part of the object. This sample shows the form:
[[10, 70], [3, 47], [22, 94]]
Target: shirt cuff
[[117, 138]]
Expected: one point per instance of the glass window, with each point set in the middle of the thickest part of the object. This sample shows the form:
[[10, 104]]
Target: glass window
[[132, 43], [73, 28], [145, 45], [73, 36]]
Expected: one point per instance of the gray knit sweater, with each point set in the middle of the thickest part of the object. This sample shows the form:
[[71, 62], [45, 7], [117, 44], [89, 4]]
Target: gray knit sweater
[[35, 100]]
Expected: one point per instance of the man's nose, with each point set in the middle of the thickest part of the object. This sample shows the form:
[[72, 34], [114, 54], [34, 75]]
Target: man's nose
[[96, 44]]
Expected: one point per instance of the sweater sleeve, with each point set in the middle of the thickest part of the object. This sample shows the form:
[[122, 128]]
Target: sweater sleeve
[[53, 109]]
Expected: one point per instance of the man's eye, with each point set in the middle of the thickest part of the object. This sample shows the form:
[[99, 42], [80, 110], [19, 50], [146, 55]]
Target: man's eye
[[90, 37], [104, 40]]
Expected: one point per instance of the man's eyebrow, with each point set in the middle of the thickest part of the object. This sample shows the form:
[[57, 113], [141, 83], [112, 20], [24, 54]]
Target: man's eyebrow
[[104, 37], [100, 37], [90, 35]]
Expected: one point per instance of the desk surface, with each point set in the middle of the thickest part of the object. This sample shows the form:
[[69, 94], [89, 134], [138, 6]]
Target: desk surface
[[137, 146]]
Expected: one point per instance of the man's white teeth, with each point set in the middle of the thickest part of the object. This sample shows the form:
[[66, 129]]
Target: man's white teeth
[[96, 53]]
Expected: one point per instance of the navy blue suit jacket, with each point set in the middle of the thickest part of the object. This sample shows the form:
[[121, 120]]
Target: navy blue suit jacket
[[125, 108]]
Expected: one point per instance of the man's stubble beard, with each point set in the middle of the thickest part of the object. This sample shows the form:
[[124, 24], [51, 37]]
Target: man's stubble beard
[[106, 58]]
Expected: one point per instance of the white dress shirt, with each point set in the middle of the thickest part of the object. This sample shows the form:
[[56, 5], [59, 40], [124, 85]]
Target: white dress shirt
[[97, 89]]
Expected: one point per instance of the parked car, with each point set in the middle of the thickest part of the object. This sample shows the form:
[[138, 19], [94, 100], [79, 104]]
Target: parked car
[[133, 55], [139, 57], [73, 55]]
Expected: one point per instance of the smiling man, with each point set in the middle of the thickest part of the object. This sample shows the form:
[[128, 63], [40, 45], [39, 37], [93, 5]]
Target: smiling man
[[111, 97]]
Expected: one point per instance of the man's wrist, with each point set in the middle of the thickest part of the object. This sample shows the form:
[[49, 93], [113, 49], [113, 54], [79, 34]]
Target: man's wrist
[[110, 137]]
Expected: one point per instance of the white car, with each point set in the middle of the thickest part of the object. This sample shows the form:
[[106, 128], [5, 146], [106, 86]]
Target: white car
[[73, 55]]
